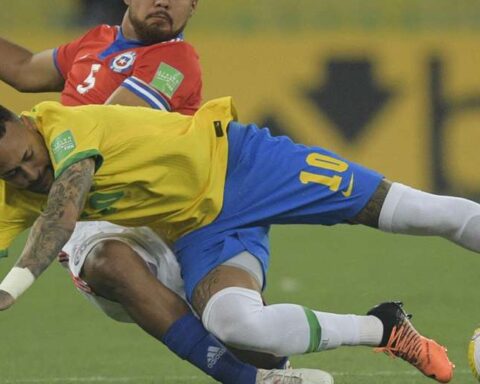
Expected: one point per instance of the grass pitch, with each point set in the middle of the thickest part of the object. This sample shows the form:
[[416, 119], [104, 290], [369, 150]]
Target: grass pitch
[[53, 335]]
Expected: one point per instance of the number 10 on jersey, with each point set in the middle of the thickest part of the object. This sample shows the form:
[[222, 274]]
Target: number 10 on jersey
[[324, 162]]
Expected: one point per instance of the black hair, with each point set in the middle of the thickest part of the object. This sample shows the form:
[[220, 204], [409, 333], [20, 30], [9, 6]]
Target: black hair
[[5, 115]]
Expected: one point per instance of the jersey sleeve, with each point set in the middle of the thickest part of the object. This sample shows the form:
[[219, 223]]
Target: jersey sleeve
[[168, 77], [17, 213], [64, 55], [8, 232], [71, 135]]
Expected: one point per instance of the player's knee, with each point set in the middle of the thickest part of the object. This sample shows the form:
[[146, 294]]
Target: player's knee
[[233, 314], [107, 264]]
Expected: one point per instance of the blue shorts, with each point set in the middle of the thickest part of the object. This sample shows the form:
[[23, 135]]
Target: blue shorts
[[272, 180]]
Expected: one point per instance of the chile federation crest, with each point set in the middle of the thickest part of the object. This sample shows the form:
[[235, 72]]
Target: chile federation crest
[[123, 62]]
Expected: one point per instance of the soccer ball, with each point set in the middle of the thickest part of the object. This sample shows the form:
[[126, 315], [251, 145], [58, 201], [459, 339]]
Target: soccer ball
[[474, 354]]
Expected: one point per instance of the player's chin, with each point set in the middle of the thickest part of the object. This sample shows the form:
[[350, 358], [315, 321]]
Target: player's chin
[[160, 32], [40, 190]]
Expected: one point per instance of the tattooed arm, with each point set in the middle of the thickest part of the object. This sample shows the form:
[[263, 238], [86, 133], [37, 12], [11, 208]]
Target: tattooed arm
[[55, 225]]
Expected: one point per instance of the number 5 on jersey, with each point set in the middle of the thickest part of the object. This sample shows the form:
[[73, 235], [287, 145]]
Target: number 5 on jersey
[[328, 163], [89, 82]]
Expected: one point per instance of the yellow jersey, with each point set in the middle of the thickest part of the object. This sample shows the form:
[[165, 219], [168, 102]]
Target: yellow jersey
[[153, 168], [18, 210]]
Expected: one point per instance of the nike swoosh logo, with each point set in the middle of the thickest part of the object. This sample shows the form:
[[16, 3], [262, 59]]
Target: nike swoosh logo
[[348, 191]]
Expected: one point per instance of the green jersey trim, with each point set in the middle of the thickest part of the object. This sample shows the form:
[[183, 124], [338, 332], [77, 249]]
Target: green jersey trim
[[79, 157]]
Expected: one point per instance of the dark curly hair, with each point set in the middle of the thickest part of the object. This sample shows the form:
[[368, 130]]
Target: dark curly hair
[[5, 115]]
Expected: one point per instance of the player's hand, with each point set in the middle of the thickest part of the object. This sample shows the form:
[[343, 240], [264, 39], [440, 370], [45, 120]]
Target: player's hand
[[6, 300]]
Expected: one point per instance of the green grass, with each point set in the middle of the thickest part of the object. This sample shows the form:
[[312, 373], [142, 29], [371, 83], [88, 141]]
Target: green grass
[[53, 335]]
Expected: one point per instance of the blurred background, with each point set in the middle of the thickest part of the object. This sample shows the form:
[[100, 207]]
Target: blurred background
[[391, 84]]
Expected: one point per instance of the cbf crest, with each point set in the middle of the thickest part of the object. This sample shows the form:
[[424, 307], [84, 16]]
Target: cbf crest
[[123, 62]]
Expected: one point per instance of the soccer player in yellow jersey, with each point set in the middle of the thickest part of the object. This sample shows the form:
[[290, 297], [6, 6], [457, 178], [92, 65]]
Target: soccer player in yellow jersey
[[213, 186], [142, 62], [133, 279]]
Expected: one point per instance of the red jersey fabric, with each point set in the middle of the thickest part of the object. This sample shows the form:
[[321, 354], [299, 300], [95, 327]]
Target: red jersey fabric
[[166, 75]]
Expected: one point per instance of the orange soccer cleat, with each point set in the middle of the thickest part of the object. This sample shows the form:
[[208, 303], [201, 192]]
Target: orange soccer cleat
[[402, 340]]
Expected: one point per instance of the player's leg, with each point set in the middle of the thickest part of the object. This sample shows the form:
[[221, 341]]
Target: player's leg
[[273, 180], [115, 270], [123, 278], [230, 302], [245, 262], [401, 209], [167, 271], [102, 248], [232, 309]]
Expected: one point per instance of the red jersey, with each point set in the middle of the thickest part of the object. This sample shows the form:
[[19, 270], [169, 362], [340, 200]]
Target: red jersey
[[166, 75]]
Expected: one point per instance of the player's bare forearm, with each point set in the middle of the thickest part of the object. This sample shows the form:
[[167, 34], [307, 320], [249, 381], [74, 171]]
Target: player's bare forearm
[[26, 71], [55, 225], [370, 214], [123, 96]]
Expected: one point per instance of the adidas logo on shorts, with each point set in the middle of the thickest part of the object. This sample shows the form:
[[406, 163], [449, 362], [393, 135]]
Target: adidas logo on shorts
[[213, 354]]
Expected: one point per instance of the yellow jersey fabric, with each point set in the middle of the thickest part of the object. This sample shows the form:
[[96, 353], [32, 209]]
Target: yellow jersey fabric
[[18, 211], [154, 168]]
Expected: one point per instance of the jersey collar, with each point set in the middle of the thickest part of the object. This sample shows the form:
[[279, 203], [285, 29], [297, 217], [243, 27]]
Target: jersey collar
[[121, 37], [121, 43]]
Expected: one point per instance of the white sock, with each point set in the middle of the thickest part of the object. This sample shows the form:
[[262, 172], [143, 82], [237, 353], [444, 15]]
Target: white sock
[[340, 330], [238, 317], [371, 330], [410, 211]]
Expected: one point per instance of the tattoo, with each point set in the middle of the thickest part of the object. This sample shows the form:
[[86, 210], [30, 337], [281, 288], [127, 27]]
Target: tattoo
[[205, 290], [222, 277], [55, 225], [370, 214]]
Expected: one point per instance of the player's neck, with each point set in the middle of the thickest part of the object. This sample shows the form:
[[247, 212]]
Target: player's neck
[[127, 29]]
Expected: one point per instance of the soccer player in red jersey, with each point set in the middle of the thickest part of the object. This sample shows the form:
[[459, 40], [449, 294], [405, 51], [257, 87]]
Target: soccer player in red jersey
[[144, 62], [108, 64]]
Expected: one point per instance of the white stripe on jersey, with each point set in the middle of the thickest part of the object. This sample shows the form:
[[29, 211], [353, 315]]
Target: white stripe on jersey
[[145, 92]]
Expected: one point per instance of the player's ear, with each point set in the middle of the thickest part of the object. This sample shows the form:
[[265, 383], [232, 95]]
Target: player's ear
[[127, 2], [193, 7]]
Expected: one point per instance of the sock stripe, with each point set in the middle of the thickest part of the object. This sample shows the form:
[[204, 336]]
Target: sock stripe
[[315, 330]]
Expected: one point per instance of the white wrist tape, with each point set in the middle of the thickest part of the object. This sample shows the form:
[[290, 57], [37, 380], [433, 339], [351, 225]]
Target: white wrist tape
[[410, 211], [17, 281]]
